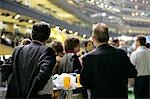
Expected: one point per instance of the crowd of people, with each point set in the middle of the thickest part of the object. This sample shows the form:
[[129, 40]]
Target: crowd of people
[[104, 67]]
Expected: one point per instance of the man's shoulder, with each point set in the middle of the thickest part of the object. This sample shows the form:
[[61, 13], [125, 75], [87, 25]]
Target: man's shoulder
[[93, 52]]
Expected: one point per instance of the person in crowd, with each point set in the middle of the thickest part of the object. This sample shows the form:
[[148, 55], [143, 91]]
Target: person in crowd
[[32, 66], [115, 43], [122, 45], [25, 41], [141, 59], [70, 62], [58, 48], [106, 69], [147, 45], [88, 44], [7, 63]]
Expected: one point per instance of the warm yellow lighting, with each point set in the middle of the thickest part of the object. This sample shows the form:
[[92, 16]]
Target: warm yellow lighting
[[57, 27], [30, 21], [17, 16], [64, 30]]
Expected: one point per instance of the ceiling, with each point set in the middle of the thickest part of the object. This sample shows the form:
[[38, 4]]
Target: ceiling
[[49, 8], [9, 17], [123, 16], [127, 14]]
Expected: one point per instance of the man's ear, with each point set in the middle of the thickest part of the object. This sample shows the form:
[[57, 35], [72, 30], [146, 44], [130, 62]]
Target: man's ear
[[93, 39]]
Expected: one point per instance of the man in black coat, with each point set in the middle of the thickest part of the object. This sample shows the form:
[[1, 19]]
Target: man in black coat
[[32, 65], [106, 69]]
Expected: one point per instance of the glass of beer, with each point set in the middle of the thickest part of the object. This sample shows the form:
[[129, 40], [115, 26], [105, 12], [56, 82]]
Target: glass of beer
[[78, 80], [67, 82]]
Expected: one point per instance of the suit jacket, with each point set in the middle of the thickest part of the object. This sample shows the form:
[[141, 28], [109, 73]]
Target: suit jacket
[[32, 67], [106, 71]]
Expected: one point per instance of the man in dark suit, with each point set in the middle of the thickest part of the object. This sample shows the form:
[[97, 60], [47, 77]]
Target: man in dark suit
[[32, 66], [106, 69]]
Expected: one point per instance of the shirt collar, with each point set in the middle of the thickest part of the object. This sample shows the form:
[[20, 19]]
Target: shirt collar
[[141, 47], [37, 42]]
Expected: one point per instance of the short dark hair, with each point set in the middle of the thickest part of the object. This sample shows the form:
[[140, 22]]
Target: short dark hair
[[71, 43], [57, 46], [40, 32], [86, 42], [141, 39], [100, 32]]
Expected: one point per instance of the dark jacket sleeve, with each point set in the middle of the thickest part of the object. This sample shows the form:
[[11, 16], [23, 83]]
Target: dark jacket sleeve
[[85, 74], [46, 63], [131, 71], [6, 69]]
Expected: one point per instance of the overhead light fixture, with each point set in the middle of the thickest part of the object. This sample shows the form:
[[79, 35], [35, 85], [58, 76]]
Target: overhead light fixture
[[92, 1], [30, 21], [84, 36], [142, 13], [97, 2], [17, 16], [103, 14], [76, 33], [143, 2], [70, 31], [64, 30], [110, 17], [136, 13], [133, 14], [124, 17], [57, 27], [136, 7], [130, 31]]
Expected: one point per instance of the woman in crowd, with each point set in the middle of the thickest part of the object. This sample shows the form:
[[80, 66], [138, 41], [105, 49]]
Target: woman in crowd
[[58, 48], [70, 62]]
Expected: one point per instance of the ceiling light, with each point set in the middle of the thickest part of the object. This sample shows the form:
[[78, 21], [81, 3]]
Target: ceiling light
[[143, 2], [142, 13], [57, 27], [84, 36], [124, 17], [136, 7], [136, 13], [76, 33], [110, 7], [92, 1], [133, 14], [103, 14], [64, 30], [146, 2], [130, 31], [17, 16], [106, 6], [110, 17], [70, 31], [123, 5], [30, 21], [97, 2]]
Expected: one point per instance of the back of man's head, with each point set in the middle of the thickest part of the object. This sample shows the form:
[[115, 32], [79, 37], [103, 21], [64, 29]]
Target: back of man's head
[[40, 32], [141, 39], [100, 32]]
